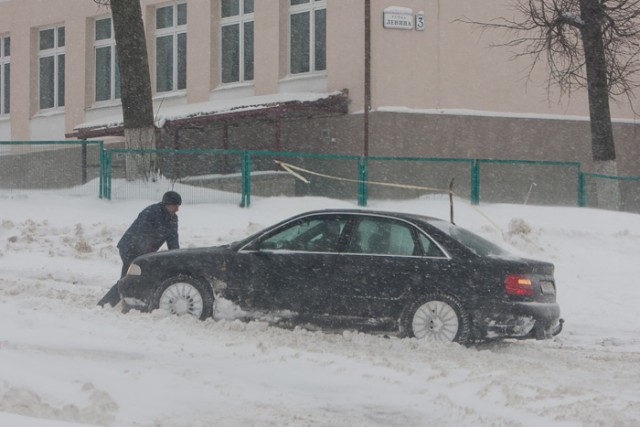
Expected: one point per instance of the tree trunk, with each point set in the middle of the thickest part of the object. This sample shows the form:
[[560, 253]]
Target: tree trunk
[[140, 165], [135, 85], [602, 144]]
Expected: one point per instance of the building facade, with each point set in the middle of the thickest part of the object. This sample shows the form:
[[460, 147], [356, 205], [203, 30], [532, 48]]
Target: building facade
[[432, 85]]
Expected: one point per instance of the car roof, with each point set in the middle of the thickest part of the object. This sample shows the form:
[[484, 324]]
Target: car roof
[[394, 214]]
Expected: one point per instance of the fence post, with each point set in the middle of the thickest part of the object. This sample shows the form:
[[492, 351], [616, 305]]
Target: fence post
[[475, 182], [246, 179], [363, 173], [109, 169], [101, 172], [582, 198]]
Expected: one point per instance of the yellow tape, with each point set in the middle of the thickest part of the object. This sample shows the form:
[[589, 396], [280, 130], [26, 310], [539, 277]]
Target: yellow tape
[[290, 168]]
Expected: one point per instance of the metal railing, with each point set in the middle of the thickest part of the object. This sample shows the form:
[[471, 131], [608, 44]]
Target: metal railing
[[235, 176], [266, 173]]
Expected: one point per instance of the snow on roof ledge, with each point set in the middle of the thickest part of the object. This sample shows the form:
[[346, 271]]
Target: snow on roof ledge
[[497, 114], [209, 108]]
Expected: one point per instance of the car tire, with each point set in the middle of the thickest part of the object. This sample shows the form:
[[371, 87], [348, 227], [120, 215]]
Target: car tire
[[182, 295], [437, 317]]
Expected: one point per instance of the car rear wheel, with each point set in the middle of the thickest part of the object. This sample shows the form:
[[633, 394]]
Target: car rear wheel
[[182, 295], [437, 317]]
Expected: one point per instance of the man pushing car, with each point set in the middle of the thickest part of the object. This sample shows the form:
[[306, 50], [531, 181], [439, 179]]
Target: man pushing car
[[155, 225]]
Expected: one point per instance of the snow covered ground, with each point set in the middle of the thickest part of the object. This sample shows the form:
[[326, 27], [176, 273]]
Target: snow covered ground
[[66, 362]]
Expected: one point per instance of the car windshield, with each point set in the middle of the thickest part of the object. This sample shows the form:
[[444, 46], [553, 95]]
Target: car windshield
[[477, 244]]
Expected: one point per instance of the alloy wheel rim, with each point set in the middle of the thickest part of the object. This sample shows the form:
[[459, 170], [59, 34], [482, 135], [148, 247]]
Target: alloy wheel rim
[[182, 298], [435, 320]]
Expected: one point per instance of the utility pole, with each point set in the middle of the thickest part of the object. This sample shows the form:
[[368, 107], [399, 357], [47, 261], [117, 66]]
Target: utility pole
[[367, 73]]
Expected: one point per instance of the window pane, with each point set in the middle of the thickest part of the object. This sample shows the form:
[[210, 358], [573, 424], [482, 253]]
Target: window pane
[[182, 14], [325, 239], [182, 61], [7, 88], [429, 248], [248, 6], [164, 63], [46, 82], [230, 53], [61, 37], [368, 237], [230, 8], [164, 17], [293, 237], [300, 43], [47, 39], [103, 73], [61, 80], [320, 40], [103, 29], [7, 46], [295, 2], [248, 50], [400, 241]]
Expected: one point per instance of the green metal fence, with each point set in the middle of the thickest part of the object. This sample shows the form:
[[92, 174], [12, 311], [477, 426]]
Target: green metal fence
[[527, 182], [629, 187], [237, 176], [303, 174], [205, 175], [240, 175]]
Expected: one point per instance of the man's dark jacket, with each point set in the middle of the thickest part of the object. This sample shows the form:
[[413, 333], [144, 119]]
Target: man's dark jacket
[[153, 227]]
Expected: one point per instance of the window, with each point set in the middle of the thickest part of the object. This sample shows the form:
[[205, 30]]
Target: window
[[171, 47], [51, 67], [309, 235], [5, 74], [236, 40], [429, 248], [477, 244], [308, 35], [107, 78], [382, 237]]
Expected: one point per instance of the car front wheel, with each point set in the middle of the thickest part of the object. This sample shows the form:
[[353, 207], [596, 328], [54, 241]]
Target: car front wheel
[[437, 317], [185, 295]]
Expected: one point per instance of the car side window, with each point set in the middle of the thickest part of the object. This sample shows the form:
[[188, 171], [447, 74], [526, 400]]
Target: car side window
[[429, 248], [401, 240], [382, 237], [312, 235]]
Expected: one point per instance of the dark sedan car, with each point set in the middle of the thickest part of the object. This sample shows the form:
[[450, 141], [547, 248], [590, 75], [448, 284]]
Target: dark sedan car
[[374, 271]]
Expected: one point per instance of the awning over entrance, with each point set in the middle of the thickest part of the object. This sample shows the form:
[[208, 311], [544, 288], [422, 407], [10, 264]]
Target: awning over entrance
[[269, 107]]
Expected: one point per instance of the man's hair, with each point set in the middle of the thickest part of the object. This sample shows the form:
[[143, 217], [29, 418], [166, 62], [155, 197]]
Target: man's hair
[[171, 198]]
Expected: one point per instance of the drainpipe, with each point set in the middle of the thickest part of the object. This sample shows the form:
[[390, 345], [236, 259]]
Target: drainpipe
[[225, 146], [278, 135], [363, 164]]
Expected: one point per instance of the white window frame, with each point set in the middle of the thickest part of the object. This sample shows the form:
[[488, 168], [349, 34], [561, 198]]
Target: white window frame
[[311, 7], [56, 52], [240, 20], [5, 80], [174, 31], [110, 43]]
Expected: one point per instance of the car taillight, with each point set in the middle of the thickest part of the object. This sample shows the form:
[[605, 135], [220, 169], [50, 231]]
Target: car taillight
[[516, 284]]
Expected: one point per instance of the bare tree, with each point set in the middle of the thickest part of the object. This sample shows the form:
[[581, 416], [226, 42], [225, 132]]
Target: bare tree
[[135, 84], [592, 44]]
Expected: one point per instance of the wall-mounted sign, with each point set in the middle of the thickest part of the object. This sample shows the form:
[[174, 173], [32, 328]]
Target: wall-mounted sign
[[398, 17]]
